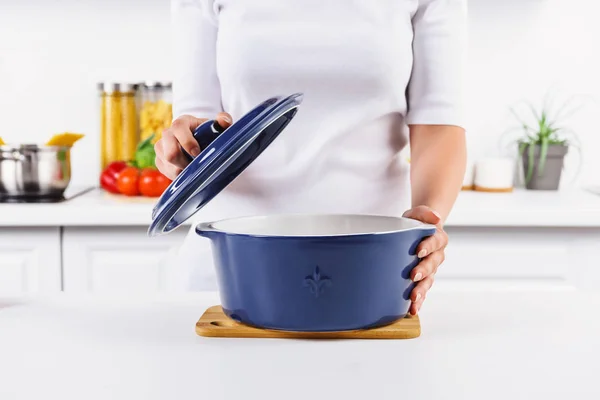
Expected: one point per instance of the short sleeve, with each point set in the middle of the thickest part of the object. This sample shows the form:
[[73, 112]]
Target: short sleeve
[[196, 87], [435, 93]]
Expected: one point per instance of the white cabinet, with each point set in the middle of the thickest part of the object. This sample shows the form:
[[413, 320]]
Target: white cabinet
[[115, 259], [30, 260], [521, 257], [119, 260]]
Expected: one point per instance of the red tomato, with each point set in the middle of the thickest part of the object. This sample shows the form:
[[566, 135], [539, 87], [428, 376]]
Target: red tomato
[[128, 181], [153, 183], [108, 178]]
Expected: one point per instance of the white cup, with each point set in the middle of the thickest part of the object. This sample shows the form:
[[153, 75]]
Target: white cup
[[469, 178], [494, 175]]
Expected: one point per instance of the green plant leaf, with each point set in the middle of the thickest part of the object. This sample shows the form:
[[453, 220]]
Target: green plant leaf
[[145, 155], [534, 111], [145, 143], [521, 121], [530, 161], [543, 155], [564, 112], [547, 104], [545, 132], [569, 136], [522, 148]]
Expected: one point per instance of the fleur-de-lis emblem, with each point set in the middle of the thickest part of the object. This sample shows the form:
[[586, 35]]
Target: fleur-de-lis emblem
[[317, 282]]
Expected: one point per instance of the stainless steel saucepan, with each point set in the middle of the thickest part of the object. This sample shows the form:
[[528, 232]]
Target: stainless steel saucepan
[[30, 170]]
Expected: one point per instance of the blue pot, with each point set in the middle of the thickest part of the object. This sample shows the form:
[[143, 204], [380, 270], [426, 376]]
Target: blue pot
[[315, 272]]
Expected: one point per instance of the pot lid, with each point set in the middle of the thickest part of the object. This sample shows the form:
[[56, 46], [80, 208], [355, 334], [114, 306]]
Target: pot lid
[[226, 153]]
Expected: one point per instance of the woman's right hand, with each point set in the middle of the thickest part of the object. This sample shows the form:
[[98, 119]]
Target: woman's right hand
[[170, 161]]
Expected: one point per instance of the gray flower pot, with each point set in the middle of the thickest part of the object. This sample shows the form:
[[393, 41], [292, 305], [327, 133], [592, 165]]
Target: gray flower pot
[[550, 177]]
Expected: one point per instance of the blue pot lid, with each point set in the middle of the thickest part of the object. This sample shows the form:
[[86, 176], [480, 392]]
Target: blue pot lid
[[225, 154]]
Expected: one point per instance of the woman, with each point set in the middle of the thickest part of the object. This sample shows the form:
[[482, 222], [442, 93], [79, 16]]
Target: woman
[[376, 76]]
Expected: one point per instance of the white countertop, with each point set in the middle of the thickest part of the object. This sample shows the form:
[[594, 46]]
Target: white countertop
[[474, 345], [575, 208], [527, 208]]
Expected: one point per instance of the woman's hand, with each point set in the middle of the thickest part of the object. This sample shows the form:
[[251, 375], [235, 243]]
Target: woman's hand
[[169, 158], [431, 253]]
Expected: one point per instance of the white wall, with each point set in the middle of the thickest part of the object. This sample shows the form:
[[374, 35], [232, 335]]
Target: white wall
[[521, 49], [53, 52]]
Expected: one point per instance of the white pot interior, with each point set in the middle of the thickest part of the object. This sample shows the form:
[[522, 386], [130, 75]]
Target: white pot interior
[[316, 225]]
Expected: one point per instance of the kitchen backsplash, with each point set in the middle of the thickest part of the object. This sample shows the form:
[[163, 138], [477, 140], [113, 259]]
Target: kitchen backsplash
[[53, 53]]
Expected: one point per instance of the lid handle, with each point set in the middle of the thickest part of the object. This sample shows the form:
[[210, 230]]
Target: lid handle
[[204, 135]]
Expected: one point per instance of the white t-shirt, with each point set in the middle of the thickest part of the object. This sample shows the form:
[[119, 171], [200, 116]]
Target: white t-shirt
[[366, 68]]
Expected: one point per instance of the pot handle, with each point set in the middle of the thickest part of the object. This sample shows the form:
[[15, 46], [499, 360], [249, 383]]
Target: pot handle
[[204, 135], [205, 229]]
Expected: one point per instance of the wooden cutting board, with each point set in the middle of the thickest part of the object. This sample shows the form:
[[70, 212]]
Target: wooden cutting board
[[214, 323]]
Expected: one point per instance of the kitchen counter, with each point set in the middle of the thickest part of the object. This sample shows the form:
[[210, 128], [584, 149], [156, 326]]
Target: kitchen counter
[[527, 208], [522, 208], [98, 242], [474, 345], [94, 208]]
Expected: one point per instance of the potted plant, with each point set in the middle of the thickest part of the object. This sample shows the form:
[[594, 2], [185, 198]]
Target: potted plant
[[543, 145]]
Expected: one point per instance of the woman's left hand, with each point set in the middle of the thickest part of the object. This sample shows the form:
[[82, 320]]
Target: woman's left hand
[[431, 254]]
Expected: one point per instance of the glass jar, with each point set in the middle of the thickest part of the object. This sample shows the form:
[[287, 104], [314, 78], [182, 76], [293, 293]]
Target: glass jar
[[156, 112], [118, 122]]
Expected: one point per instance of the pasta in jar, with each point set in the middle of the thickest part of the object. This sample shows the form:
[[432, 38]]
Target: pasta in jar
[[118, 122], [156, 111]]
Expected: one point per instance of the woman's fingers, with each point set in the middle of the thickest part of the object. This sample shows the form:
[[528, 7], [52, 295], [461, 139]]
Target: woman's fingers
[[168, 170], [224, 120], [419, 293], [427, 266], [180, 135], [169, 149], [182, 129], [433, 243], [423, 214], [431, 253], [416, 307], [423, 274], [420, 290]]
